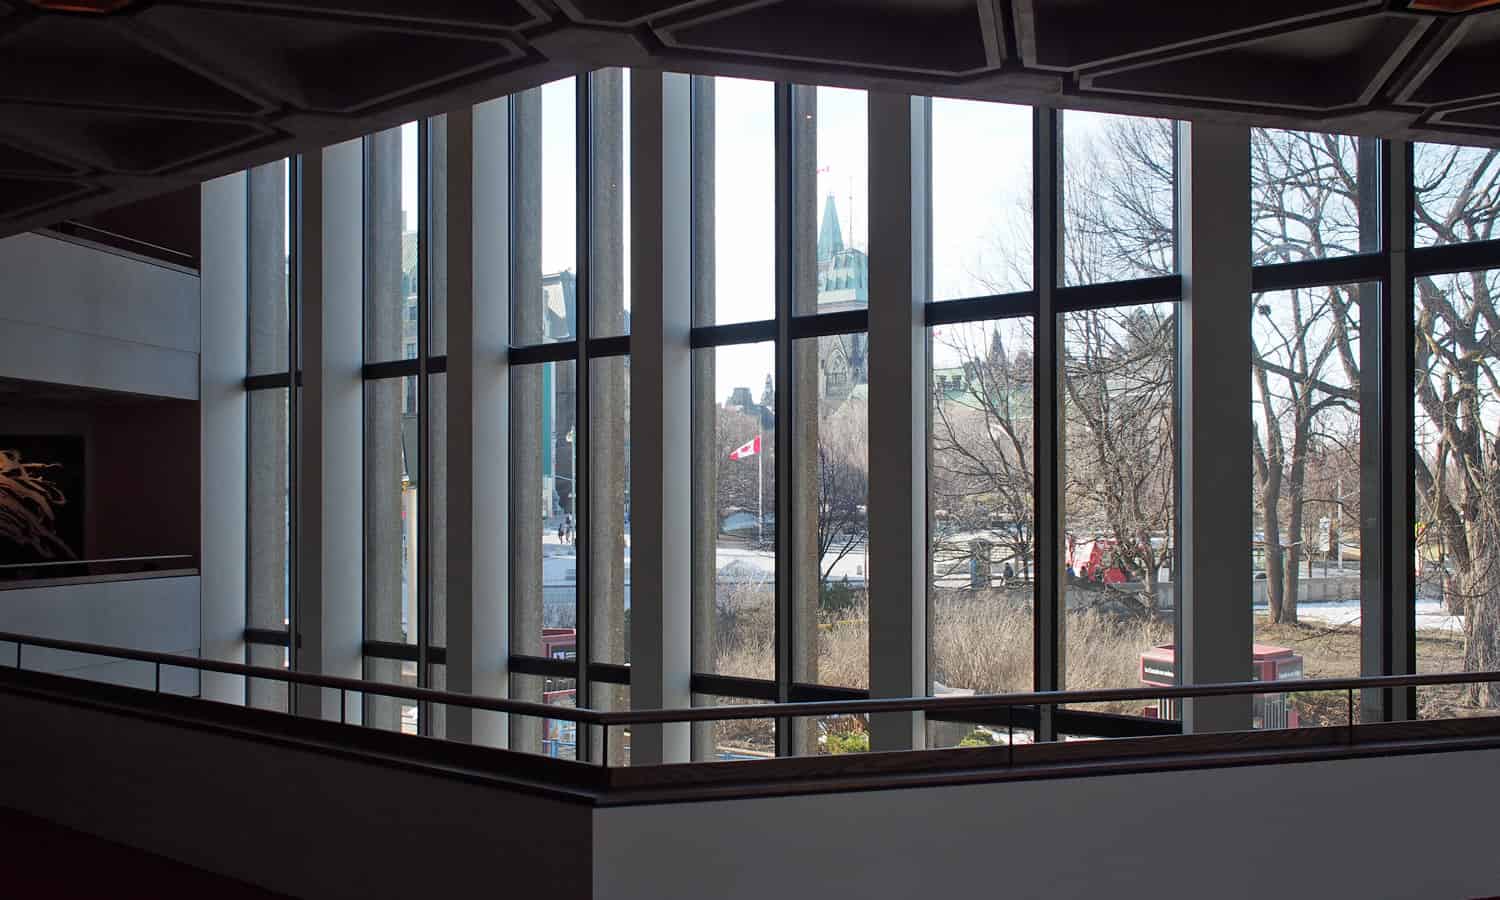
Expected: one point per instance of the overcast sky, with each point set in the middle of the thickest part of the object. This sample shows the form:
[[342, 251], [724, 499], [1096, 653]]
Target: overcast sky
[[981, 178]]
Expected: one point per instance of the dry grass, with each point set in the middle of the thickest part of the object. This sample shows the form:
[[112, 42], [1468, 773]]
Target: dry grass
[[984, 642]]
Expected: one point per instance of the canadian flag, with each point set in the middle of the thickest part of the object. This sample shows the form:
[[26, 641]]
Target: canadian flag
[[749, 448]]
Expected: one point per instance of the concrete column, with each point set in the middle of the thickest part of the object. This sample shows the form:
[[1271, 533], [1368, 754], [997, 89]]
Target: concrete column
[[898, 421], [1214, 594], [387, 504], [1388, 589], [797, 415], [1049, 636], [330, 552], [223, 321], [703, 524], [661, 438], [434, 469], [609, 386], [269, 437], [478, 289], [526, 437]]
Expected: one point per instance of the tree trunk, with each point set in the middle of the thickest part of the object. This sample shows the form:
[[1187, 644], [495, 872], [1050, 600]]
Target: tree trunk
[[1479, 592]]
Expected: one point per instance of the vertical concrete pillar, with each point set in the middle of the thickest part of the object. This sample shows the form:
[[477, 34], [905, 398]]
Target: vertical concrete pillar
[[328, 625], [1387, 582], [1214, 390], [223, 322], [526, 436], [797, 417], [703, 524], [661, 438], [387, 505], [608, 384], [898, 421], [269, 439], [478, 330], [1049, 620]]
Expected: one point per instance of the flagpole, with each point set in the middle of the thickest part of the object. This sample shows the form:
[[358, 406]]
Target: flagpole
[[760, 485]]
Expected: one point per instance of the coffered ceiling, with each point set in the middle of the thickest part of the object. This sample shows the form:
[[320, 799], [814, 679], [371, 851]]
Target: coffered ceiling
[[100, 108]]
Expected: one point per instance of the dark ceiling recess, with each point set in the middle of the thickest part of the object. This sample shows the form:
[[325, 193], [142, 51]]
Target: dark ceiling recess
[[93, 7], [106, 102]]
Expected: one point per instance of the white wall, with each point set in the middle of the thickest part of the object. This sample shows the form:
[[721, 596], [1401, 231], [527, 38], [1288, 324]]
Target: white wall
[[159, 614], [73, 315], [1410, 826]]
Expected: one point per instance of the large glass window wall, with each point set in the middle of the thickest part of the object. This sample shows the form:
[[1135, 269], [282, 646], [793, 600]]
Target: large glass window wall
[[1053, 413]]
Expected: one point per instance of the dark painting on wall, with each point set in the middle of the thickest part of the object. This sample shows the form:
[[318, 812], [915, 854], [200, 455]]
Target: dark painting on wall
[[41, 498]]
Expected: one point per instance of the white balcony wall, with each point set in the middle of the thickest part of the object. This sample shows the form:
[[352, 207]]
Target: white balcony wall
[[74, 315]]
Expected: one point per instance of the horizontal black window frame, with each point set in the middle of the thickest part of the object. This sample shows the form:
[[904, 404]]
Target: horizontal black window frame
[[765, 690], [404, 368], [1449, 258], [704, 336], [976, 309], [608, 673], [1157, 289], [404, 652], [1319, 272], [268, 637], [1068, 721], [567, 351], [270, 381]]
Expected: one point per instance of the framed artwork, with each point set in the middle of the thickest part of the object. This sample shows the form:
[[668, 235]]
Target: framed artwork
[[41, 498]]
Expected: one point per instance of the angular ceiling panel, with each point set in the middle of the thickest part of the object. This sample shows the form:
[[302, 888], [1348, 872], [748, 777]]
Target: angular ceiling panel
[[1486, 116], [329, 66], [508, 14], [93, 62], [1082, 33], [938, 36], [1469, 69], [131, 143], [161, 94], [18, 196], [1321, 68], [626, 12], [13, 159]]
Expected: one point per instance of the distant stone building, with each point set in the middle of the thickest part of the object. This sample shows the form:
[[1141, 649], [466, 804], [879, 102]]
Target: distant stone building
[[843, 284]]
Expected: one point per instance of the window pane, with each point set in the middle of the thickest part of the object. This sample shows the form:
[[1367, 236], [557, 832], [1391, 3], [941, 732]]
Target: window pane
[[981, 199], [1119, 488], [269, 268], [549, 737], [544, 566], [1457, 192], [734, 491], [981, 486], [391, 225], [732, 739], [734, 217], [1456, 411], [609, 514], [544, 213], [1305, 411], [392, 475], [829, 501], [1312, 196], [263, 693], [1119, 219], [831, 195], [610, 242], [268, 507], [384, 712]]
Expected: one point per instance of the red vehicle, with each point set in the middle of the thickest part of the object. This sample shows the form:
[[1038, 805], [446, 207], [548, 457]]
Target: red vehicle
[[1091, 560], [1159, 669]]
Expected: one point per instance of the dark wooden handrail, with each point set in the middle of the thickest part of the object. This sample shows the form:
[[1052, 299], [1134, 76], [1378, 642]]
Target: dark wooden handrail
[[334, 682], [975, 703]]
